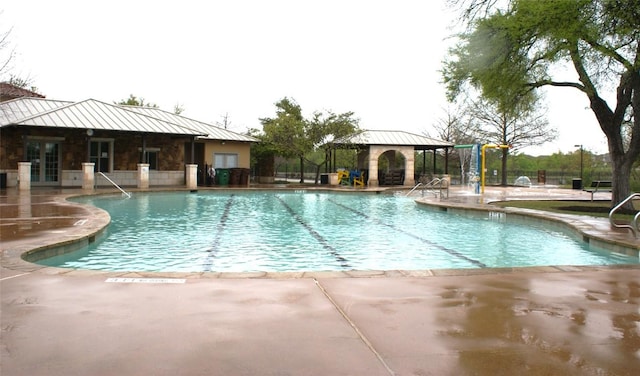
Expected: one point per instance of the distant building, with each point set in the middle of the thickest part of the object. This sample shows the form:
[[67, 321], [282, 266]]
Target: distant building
[[9, 91]]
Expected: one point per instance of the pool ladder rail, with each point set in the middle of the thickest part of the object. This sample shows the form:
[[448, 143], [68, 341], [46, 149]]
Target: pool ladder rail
[[436, 186], [634, 225], [115, 185]]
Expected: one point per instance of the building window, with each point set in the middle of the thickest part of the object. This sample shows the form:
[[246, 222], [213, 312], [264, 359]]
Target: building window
[[150, 157], [225, 160], [101, 153]]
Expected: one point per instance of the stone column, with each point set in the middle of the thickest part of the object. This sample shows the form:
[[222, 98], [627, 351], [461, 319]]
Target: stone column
[[88, 175], [373, 170], [143, 175], [24, 176], [192, 176], [374, 154], [409, 167]]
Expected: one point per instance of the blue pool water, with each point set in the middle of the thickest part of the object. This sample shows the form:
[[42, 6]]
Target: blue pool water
[[298, 231]]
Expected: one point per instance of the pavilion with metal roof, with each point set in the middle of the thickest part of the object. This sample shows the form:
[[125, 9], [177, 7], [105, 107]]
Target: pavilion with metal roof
[[375, 143]]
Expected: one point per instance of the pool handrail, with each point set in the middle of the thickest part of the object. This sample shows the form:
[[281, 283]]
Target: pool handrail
[[634, 223], [414, 188], [115, 185]]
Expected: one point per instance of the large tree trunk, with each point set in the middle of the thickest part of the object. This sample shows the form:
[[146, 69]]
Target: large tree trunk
[[301, 169], [620, 181], [505, 152], [621, 160]]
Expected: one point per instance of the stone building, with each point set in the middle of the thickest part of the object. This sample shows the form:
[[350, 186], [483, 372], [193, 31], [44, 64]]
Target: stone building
[[55, 143]]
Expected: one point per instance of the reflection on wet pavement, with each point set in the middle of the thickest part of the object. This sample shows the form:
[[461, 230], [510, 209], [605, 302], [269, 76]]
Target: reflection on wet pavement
[[545, 326]]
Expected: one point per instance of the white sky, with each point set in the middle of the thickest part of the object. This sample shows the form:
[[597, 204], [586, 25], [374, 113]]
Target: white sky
[[379, 59]]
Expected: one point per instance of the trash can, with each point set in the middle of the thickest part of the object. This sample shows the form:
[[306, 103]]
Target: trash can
[[577, 183], [324, 179], [3, 180], [222, 176], [234, 176]]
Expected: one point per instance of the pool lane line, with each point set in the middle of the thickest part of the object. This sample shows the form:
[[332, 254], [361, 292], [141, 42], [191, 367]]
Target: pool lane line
[[211, 252], [452, 252], [334, 252]]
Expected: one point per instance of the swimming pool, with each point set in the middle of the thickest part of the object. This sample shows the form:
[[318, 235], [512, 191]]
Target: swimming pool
[[312, 231]]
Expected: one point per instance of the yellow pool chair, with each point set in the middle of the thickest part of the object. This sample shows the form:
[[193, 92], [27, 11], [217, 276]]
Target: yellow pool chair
[[343, 177], [359, 181]]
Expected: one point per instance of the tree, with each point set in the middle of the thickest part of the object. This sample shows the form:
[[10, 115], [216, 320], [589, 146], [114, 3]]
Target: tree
[[324, 127], [178, 109], [517, 50], [457, 127], [134, 101], [7, 51], [225, 123], [516, 125], [291, 135], [286, 132]]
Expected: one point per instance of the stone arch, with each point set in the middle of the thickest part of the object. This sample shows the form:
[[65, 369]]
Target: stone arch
[[375, 151]]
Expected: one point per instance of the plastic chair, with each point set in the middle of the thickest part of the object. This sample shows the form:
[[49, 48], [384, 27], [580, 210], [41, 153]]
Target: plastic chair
[[359, 181], [343, 177]]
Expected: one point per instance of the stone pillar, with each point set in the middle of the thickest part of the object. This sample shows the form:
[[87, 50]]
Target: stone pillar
[[409, 167], [88, 175], [333, 178], [192, 176], [143, 175], [373, 170], [24, 176]]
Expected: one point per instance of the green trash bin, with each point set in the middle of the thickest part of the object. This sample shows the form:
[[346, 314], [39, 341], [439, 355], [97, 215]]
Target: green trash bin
[[222, 176]]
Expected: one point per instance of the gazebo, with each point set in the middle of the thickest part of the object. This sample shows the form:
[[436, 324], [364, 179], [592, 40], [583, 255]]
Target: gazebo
[[372, 144]]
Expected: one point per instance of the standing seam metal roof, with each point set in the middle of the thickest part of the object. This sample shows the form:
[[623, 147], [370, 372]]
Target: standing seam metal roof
[[13, 110], [93, 114], [209, 131], [400, 138]]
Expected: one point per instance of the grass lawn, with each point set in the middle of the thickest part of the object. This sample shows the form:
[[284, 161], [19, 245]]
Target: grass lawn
[[592, 208]]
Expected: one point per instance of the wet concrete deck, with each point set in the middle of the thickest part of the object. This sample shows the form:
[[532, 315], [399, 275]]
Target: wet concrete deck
[[534, 321]]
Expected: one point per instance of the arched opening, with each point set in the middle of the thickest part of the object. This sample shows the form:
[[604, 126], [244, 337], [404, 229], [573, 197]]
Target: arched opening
[[392, 168]]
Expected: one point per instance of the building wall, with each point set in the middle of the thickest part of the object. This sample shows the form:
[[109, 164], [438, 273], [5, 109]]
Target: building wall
[[242, 149], [73, 152]]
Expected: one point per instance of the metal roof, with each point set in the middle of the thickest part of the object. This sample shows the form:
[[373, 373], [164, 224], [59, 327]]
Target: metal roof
[[93, 114], [209, 131], [399, 138], [13, 110]]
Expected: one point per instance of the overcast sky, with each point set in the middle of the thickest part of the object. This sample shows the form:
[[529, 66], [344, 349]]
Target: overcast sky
[[379, 59]]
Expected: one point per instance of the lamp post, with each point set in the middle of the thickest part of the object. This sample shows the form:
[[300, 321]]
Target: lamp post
[[581, 163]]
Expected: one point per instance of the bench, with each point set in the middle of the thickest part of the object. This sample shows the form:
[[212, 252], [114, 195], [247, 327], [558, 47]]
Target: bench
[[599, 186]]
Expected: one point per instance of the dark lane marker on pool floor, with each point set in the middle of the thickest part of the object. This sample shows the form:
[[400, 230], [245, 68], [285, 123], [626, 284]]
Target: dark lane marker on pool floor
[[452, 252], [343, 262], [208, 262]]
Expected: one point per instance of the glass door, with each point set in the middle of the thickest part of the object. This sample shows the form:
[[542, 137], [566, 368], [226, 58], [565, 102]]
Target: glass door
[[45, 161]]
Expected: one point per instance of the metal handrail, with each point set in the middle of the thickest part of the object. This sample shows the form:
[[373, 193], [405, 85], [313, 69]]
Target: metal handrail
[[435, 183], [634, 223], [414, 188], [115, 185]]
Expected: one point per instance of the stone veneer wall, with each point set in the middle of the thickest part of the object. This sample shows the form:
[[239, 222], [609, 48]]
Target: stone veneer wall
[[73, 149]]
